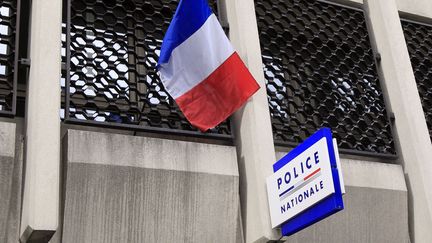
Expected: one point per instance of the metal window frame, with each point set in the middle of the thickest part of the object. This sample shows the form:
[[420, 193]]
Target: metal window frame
[[385, 156], [429, 25], [415, 22], [12, 112], [229, 139]]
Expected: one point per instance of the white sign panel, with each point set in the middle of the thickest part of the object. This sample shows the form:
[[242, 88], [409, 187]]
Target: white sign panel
[[301, 183]]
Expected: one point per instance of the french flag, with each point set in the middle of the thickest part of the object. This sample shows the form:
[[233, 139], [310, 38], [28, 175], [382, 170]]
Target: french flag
[[200, 68]]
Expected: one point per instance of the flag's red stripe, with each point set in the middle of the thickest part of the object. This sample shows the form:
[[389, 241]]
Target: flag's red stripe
[[218, 96]]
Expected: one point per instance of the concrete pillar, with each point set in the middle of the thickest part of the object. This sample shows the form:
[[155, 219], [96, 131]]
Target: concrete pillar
[[42, 149], [253, 131], [399, 86]]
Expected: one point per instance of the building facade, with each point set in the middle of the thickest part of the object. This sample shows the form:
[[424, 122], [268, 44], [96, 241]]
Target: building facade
[[93, 149]]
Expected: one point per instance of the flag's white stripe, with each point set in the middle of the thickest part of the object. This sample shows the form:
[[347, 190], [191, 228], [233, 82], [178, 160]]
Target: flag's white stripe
[[196, 58]]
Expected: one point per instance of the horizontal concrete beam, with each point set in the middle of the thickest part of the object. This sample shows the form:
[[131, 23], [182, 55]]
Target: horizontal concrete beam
[[370, 174], [151, 153], [373, 175], [420, 8]]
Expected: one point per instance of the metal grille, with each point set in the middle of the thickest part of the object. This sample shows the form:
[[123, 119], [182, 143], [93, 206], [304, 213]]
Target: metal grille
[[111, 50], [419, 41], [8, 61], [320, 72]]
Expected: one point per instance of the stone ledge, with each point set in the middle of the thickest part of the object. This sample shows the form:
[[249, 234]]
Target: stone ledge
[[359, 173], [152, 153]]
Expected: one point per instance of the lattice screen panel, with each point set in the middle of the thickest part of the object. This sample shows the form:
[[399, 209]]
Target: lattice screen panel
[[320, 72], [8, 21], [419, 41], [114, 48]]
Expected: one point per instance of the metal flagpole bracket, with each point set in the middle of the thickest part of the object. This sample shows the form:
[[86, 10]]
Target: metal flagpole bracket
[[24, 62]]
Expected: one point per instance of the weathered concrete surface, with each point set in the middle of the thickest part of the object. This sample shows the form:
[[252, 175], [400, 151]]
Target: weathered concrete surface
[[403, 100], [7, 139], [10, 183], [41, 190], [370, 215], [253, 131], [421, 8], [134, 189], [376, 207]]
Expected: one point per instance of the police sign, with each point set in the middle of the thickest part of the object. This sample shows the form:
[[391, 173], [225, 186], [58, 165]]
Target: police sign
[[306, 186]]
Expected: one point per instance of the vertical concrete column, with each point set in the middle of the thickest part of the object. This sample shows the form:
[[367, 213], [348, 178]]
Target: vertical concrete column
[[414, 145], [253, 131], [42, 149]]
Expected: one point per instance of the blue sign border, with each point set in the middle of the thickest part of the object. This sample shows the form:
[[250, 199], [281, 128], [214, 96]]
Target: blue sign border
[[326, 207]]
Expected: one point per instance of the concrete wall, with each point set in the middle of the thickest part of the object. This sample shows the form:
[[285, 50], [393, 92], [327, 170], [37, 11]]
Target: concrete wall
[[10, 182], [421, 8], [121, 188], [376, 207]]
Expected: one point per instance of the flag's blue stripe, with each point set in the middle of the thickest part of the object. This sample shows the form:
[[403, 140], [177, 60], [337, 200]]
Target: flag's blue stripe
[[189, 17]]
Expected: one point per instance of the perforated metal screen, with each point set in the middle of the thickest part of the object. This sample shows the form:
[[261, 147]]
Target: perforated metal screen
[[320, 72], [8, 23], [419, 40], [114, 48]]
